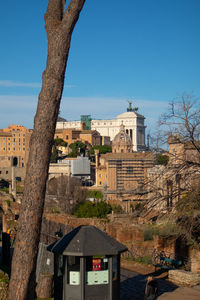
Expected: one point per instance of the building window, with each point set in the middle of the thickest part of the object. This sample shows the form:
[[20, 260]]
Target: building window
[[9, 139], [23, 149], [13, 149], [67, 137], [6, 172], [19, 149], [131, 134], [8, 149], [129, 169]]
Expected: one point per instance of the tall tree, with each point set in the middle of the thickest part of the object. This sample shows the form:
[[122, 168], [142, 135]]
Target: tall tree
[[59, 24]]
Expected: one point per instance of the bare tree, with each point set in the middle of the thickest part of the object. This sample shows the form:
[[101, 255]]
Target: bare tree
[[63, 194], [180, 127], [59, 24], [183, 120]]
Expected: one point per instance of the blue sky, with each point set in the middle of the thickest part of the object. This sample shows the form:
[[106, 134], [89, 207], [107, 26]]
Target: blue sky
[[146, 51]]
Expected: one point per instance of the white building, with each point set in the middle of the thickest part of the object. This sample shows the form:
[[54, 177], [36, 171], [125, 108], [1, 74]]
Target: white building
[[77, 167], [133, 122]]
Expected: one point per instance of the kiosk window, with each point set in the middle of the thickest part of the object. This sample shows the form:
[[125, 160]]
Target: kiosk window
[[73, 270], [96, 270]]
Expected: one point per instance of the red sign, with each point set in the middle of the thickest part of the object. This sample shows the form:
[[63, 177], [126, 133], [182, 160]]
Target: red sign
[[96, 264]]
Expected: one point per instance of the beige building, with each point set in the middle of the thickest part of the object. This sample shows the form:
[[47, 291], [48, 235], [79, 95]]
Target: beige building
[[72, 135], [14, 147], [122, 174]]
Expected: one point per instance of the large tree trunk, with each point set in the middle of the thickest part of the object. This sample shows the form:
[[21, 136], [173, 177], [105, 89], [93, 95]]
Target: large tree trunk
[[59, 25]]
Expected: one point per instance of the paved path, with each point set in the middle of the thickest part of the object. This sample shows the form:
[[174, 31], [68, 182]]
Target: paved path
[[133, 285], [182, 293]]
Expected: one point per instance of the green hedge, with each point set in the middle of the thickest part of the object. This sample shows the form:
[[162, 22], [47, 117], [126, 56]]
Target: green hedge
[[91, 210]]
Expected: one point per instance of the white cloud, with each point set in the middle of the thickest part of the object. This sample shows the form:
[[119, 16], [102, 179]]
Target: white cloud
[[10, 83], [21, 109]]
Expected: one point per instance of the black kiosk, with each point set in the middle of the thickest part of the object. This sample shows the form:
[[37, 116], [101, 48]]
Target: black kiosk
[[87, 265]]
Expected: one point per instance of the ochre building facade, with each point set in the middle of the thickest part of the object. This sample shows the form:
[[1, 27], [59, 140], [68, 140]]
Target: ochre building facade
[[122, 173], [14, 148]]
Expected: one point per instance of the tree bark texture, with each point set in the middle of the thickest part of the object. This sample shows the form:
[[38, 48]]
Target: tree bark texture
[[59, 24], [44, 286]]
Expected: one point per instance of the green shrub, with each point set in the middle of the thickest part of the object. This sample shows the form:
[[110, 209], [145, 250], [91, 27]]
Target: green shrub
[[4, 278], [102, 149], [95, 194], [162, 159], [169, 229], [20, 189], [166, 230], [149, 232], [8, 202], [91, 210], [144, 260], [117, 208], [5, 189]]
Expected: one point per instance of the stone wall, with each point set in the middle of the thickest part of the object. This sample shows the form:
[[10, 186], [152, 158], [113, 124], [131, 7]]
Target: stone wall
[[194, 255], [181, 277], [123, 229]]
